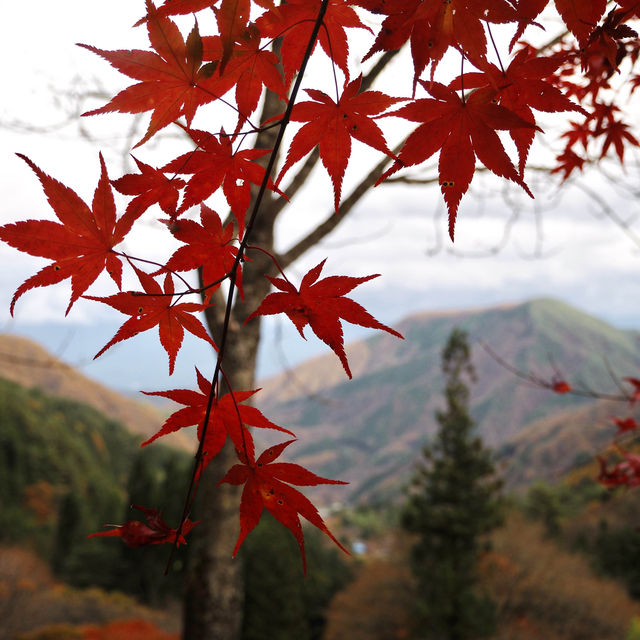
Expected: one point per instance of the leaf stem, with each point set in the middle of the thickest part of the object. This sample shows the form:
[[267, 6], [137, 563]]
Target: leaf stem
[[495, 48], [253, 247], [161, 267], [462, 78], [239, 257]]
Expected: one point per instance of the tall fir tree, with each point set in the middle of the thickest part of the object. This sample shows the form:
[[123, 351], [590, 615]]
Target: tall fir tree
[[454, 503]]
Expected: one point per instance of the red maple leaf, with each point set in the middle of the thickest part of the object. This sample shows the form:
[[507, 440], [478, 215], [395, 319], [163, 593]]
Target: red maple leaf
[[462, 130], [526, 12], [560, 386], [331, 126], [635, 383], [321, 304], [294, 21], [155, 531], [397, 27], [233, 20], [403, 18], [228, 418], [625, 473], [207, 246], [264, 488], [156, 307], [611, 477], [579, 133], [624, 425], [179, 8], [434, 27], [172, 80], [605, 42], [150, 187], [81, 247], [567, 162], [215, 163], [458, 24], [581, 17], [526, 84], [615, 131], [252, 65]]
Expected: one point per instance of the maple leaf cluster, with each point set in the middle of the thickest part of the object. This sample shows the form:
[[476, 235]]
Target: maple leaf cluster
[[626, 471], [463, 118]]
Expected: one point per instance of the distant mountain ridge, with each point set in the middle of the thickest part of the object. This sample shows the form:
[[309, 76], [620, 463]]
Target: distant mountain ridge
[[369, 431], [27, 363]]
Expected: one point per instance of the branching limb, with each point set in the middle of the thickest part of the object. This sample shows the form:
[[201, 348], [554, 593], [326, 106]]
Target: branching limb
[[334, 219], [557, 384], [610, 212], [303, 173]]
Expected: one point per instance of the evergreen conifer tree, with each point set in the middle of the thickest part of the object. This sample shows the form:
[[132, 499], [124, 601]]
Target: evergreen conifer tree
[[455, 501]]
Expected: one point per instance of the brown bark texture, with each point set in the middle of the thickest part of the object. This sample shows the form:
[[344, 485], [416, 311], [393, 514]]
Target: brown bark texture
[[214, 597]]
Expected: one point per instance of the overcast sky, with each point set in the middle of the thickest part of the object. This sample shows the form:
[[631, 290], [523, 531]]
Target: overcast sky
[[560, 245]]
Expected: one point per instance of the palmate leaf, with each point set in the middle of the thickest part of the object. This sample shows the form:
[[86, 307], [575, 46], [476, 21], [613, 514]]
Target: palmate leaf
[[580, 16], [81, 245], [625, 425], [172, 81], [155, 307], [616, 133], [526, 11], [252, 65], [267, 486], [321, 304], [229, 417], [150, 187], [208, 247], [462, 130], [154, 531], [233, 20], [433, 27], [331, 125], [215, 163], [294, 21], [180, 8], [625, 473], [527, 83]]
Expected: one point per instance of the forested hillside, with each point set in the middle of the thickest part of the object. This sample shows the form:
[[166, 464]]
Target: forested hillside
[[65, 471], [370, 430]]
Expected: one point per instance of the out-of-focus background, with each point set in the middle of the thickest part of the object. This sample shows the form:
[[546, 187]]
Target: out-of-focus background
[[550, 286]]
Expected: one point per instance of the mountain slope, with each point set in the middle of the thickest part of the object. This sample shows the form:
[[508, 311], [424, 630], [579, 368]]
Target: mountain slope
[[65, 470], [30, 365], [51, 447], [549, 448], [369, 431]]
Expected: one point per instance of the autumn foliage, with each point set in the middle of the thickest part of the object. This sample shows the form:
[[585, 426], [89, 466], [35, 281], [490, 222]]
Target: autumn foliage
[[468, 118]]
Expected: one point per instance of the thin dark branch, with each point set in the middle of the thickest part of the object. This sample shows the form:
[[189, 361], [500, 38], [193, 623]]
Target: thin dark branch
[[239, 258], [551, 385], [609, 211]]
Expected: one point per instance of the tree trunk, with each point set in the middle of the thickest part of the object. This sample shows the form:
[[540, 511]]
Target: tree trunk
[[214, 592], [214, 595]]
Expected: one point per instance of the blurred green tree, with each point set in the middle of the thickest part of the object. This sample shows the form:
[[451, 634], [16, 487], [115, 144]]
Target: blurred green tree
[[455, 501], [280, 603]]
